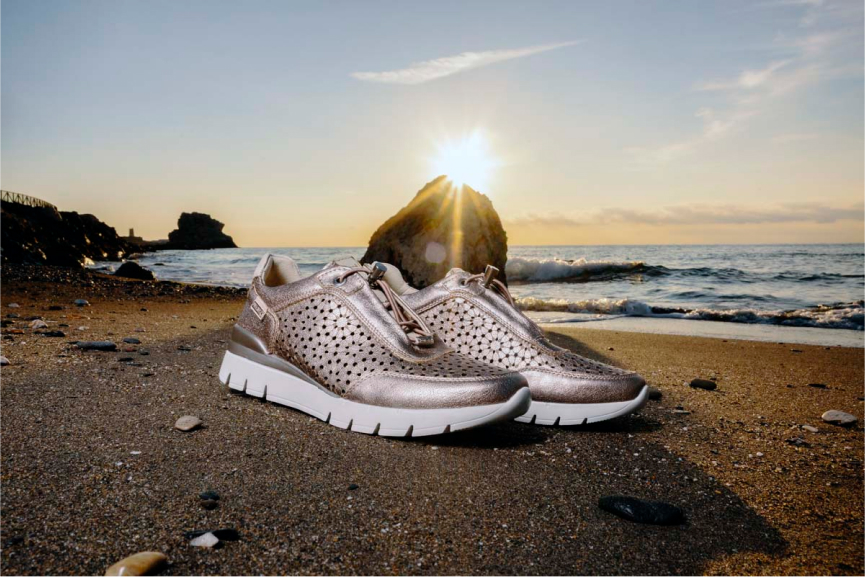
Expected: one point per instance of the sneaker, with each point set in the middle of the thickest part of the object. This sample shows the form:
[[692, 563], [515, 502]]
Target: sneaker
[[342, 346], [475, 315]]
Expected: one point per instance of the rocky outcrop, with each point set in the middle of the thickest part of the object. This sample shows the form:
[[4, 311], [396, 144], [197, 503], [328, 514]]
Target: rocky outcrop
[[37, 235], [442, 227], [198, 231]]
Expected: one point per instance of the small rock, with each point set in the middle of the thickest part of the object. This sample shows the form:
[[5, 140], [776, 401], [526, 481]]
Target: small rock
[[810, 429], [704, 384], [184, 348], [3, 361], [139, 329], [353, 487], [55, 308], [209, 504], [13, 305], [13, 316], [144, 310], [227, 534], [81, 303], [134, 270], [610, 349], [131, 341], [795, 351], [839, 418], [639, 511], [125, 360], [53, 334], [187, 423], [145, 563], [106, 346], [818, 385], [208, 540], [82, 328], [209, 495], [655, 393], [38, 324], [797, 442], [143, 352]]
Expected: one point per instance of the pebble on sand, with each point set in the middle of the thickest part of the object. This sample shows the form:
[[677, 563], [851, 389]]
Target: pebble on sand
[[106, 346], [704, 384], [131, 341], [38, 324], [13, 305], [3, 361], [655, 393], [187, 423], [639, 511], [839, 418], [209, 496], [145, 563], [208, 540], [810, 429], [81, 303]]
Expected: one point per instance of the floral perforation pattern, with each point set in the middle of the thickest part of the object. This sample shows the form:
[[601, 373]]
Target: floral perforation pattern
[[327, 340], [476, 333]]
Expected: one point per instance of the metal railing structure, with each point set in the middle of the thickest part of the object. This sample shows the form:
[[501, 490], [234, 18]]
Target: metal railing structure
[[17, 198]]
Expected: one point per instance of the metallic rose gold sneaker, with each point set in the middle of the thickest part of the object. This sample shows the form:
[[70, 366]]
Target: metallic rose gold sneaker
[[342, 346], [476, 315]]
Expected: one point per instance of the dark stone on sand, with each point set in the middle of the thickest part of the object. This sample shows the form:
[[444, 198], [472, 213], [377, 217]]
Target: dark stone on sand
[[106, 346], [797, 442], [209, 495], [6, 323], [124, 360], [13, 316], [353, 487], [55, 308], [209, 504], [135, 271], [81, 303], [639, 511], [704, 384], [442, 227], [226, 534], [197, 231], [818, 385], [131, 341], [53, 334], [3, 361], [655, 393], [184, 348], [143, 352]]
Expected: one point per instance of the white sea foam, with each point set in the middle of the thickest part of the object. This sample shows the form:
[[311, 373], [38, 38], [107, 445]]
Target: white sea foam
[[842, 316], [554, 269]]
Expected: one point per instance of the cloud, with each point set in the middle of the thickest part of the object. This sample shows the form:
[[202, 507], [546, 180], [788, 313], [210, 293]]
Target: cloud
[[703, 214], [748, 79], [420, 72]]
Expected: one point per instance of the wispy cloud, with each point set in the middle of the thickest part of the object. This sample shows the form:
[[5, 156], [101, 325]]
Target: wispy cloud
[[807, 58], [420, 72], [703, 214]]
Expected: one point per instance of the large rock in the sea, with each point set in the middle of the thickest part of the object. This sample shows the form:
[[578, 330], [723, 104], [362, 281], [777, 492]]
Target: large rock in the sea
[[199, 231], [443, 227], [44, 235], [134, 270]]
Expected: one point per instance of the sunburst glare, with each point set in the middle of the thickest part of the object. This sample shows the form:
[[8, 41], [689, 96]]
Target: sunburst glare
[[466, 161]]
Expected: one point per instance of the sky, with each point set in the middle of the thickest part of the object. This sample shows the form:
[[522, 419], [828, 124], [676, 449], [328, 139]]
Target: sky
[[309, 124]]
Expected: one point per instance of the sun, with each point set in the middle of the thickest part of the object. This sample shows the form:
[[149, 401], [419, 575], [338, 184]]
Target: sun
[[466, 161]]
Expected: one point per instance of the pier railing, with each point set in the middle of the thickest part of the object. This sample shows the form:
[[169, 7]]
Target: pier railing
[[18, 198]]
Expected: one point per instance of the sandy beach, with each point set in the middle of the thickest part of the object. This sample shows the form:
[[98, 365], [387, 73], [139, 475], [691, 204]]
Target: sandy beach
[[93, 469]]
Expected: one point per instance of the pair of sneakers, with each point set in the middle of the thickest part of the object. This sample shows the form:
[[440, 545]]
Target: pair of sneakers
[[355, 346]]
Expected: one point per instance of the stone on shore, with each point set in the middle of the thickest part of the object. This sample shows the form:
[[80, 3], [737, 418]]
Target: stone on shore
[[38, 324], [839, 418], [640, 511], [131, 341], [441, 228], [105, 346], [208, 540], [655, 393], [135, 271], [3, 361], [145, 563], [81, 303], [704, 384], [187, 423]]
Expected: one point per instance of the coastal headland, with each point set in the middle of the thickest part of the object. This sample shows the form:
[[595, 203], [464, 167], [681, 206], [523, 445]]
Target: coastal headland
[[93, 469]]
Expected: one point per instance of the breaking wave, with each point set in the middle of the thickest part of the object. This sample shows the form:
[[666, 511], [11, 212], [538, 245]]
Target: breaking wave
[[520, 269], [837, 316]]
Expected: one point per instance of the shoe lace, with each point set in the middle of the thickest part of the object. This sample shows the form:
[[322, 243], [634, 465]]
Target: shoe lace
[[417, 331], [488, 280]]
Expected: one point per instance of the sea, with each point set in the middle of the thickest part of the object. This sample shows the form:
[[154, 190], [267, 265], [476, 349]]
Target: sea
[[809, 294]]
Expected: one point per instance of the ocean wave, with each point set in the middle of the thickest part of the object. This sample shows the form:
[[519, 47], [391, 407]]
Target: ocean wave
[[520, 269], [837, 316]]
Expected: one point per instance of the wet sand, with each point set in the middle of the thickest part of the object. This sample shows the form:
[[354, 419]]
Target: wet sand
[[507, 499]]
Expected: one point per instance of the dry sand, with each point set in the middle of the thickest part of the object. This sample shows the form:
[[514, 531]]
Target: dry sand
[[78, 496]]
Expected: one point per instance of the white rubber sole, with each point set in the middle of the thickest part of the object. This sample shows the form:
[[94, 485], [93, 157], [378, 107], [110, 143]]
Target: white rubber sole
[[577, 414], [241, 374]]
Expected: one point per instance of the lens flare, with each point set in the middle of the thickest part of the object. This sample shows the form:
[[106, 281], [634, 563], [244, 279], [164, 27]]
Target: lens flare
[[466, 161]]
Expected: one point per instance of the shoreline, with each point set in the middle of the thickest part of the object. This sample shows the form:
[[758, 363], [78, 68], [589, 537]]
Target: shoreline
[[93, 470]]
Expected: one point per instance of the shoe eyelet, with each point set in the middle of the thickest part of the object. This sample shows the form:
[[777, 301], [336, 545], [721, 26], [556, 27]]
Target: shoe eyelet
[[463, 282], [338, 282]]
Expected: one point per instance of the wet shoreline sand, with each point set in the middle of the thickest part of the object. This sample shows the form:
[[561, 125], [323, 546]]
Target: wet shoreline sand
[[93, 470]]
